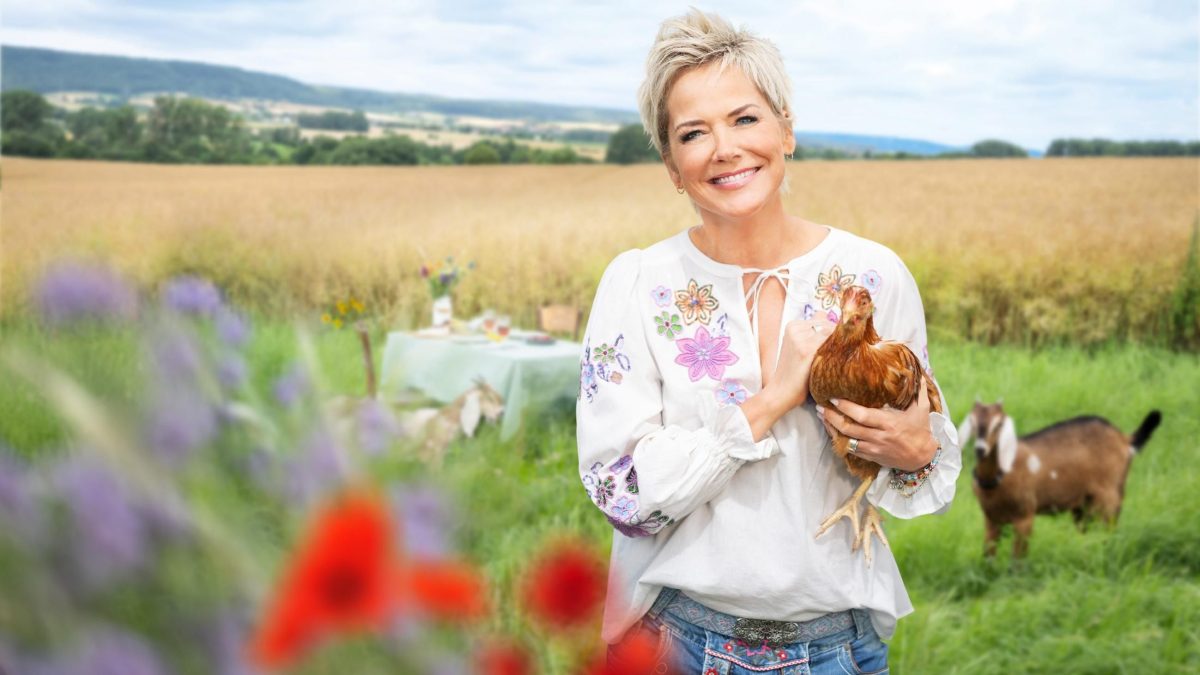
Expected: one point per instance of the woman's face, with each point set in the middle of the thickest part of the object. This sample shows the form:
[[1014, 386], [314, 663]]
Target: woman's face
[[726, 145]]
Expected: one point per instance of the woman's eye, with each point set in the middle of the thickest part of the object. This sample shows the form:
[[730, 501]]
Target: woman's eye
[[747, 119], [688, 136]]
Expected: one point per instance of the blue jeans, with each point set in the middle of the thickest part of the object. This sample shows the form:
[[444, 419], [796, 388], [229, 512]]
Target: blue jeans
[[687, 649]]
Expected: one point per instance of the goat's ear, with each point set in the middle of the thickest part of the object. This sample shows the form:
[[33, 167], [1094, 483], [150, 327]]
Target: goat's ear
[[1006, 451], [967, 429]]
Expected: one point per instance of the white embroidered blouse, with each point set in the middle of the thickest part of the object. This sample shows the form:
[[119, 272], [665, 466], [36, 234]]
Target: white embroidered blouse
[[668, 456]]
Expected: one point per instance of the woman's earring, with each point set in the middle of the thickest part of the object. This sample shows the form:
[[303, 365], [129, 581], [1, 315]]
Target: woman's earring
[[788, 156], [679, 190]]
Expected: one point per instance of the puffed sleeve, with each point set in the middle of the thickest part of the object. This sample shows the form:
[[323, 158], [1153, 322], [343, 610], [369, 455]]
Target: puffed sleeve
[[900, 316], [642, 475]]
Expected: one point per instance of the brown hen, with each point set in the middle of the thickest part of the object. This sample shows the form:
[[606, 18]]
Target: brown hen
[[855, 364]]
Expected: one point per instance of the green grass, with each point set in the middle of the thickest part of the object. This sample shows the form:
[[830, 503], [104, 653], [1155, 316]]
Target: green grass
[[1119, 601]]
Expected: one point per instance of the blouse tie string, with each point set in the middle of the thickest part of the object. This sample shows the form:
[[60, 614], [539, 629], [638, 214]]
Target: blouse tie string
[[781, 274]]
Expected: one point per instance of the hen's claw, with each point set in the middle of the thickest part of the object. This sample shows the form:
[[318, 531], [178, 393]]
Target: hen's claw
[[849, 509], [872, 523]]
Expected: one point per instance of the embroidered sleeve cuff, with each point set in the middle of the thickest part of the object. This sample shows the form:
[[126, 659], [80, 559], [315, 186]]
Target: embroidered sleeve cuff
[[907, 495]]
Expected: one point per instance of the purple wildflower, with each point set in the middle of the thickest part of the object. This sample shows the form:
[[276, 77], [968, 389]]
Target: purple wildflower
[[232, 327], [704, 355], [111, 651], [109, 536], [424, 517], [192, 295], [18, 504], [377, 428], [74, 291], [315, 470], [231, 372], [179, 423], [291, 386], [175, 356], [225, 638]]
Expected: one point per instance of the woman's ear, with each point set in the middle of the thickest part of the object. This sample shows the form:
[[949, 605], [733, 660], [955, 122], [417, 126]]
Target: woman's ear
[[671, 170], [789, 134]]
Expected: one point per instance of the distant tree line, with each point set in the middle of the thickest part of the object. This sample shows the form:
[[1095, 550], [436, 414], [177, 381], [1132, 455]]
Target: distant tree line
[[1102, 147], [334, 120], [190, 130]]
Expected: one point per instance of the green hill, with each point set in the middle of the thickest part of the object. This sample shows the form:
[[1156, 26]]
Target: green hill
[[48, 71]]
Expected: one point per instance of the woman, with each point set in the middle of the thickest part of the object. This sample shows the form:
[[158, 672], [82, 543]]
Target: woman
[[695, 438]]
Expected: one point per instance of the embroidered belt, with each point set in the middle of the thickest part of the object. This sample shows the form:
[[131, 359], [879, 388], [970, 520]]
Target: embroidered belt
[[754, 631]]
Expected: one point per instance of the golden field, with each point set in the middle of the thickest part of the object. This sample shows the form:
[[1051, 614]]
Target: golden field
[[1028, 251]]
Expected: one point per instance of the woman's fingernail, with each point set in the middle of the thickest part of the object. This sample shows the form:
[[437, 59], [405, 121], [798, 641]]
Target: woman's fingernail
[[820, 410], [834, 401]]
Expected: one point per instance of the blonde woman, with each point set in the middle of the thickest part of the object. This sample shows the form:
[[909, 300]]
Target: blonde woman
[[695, 438]]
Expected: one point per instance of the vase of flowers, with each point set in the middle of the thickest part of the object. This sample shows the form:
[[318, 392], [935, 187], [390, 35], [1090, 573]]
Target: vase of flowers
[[441, 282]]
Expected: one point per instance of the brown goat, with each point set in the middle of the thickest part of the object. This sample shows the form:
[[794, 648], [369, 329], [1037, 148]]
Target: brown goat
[[1078, 465]]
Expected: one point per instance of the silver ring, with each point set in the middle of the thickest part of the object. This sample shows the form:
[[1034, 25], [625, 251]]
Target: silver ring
[[854, 445]]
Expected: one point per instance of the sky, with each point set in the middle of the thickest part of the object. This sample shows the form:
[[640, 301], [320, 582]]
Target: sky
[[953, 72]]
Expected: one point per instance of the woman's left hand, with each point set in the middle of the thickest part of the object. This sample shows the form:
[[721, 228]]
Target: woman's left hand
[[896, 438]]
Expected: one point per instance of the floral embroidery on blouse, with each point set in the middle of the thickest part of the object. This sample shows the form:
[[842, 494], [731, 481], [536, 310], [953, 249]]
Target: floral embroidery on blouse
[[668, 325], [830, 285], [722, 331], [621, 509], [731, 392], [809, 311], [697, 303], [871, 281], [661, 296], [604, 363], [705, 355]]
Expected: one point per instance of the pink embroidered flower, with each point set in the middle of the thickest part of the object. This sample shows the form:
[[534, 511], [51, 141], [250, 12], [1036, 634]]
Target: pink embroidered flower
[[661, 295], [704, 355], [830, 285], [731, 392], [833, 316], [697, 303]]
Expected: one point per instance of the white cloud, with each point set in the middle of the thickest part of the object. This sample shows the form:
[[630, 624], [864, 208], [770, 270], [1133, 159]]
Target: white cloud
[[947, 71]]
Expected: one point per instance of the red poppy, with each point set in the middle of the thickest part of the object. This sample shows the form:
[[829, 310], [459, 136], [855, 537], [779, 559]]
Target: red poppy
[[504, 658], [339, 579], [565, 586], [446, 590]]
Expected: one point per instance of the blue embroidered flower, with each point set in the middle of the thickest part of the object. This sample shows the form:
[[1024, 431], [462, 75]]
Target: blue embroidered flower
[[871, 281], [624, 509], [662, 296], [809, 311], [731, 392], [621, 464]]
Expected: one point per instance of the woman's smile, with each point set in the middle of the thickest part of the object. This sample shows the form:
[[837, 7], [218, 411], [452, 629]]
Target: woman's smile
[[734, 180]]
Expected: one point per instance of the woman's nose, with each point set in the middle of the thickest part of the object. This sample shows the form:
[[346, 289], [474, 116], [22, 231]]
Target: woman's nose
[[726, 148]]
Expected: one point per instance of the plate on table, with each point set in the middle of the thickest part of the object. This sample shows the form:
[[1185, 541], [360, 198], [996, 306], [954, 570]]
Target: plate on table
[[539, 339]]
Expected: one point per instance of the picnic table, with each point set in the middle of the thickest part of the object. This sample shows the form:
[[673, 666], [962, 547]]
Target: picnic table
[[443, 366]]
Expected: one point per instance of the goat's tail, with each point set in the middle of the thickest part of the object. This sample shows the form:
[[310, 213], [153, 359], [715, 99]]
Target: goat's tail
[[1144, 431]]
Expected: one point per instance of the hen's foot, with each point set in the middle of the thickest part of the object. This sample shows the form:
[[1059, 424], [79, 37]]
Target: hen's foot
[[872, 524], [849, 509]]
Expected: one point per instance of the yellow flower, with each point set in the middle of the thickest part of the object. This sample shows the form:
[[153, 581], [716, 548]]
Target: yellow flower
[[830, 285], [341, 307], [325, 318], [697, 302], [358, 306], [337, 323]]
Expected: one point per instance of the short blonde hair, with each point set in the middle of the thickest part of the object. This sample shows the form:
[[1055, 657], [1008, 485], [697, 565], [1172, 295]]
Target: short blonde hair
[[695, 39]]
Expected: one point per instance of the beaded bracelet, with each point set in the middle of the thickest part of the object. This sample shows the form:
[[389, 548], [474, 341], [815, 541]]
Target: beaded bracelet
[[907, 484]]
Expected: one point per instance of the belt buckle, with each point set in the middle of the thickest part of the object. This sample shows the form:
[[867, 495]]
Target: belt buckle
[[774, 633]]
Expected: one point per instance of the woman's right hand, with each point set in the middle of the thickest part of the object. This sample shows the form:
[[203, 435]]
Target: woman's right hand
[[788, 386], [801, 339]]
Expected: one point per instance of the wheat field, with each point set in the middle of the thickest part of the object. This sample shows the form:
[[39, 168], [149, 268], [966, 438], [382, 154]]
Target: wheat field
[[1073, 250]]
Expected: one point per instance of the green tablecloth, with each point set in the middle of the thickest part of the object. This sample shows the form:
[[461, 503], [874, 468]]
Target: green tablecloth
[[444, 367]]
